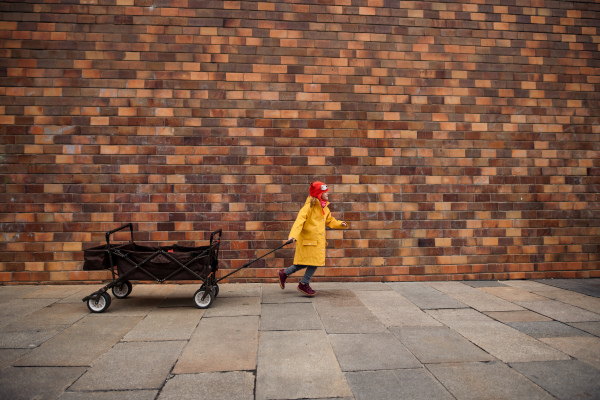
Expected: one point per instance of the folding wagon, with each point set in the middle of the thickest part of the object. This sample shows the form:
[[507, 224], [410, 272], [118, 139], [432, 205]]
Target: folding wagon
[[131, 261]]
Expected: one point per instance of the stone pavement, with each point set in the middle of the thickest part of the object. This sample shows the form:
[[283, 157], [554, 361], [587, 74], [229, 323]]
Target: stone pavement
[[434, 340]]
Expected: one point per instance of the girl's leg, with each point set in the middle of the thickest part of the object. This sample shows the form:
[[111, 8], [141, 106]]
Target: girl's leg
[[293, 268], [308, 274]]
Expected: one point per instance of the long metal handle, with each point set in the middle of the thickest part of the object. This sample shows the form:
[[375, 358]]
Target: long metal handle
[[253, 261], [129, 225]]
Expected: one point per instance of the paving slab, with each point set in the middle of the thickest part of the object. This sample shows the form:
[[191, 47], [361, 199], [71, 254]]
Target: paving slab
[[425, 297], [132, 365], [9, 356], [482, 284], [142, 300], [492, 380], [112, 395], [560, 311], [351, 319], [53, 292], [483, 301], [289, 317], [512, 294], [372, 351], [530, 286], [166, 324], [8, 293], [36, 383], [181, 296], [547, 329], [414, 384], [79, 292], [571, 379], [28, 338], [221, 344], [496, 338], [588, 286], [579, 300], [16, 309], [213, 386], [337, 298], [516, 316], [282, 374], [589, 327], [233, 307], [450, 287], [51, 315], [586, 349], [438, 344], [239, 290], [272, 293], [366, 286], [82, 343], [392, 309]]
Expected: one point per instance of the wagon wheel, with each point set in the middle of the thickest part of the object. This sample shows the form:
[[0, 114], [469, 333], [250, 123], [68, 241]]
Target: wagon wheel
[[207, 300], [100, 305], [122, 291], [215, 288]]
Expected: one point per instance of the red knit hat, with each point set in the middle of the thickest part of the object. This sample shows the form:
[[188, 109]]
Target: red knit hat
[[317, 189]]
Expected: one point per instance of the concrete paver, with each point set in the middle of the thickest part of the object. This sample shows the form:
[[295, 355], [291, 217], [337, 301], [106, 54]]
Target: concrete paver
[[221, 344], [516, 316], [132, 365], [566, 380], [560, 311], [213, 386], [82, 343], [394, 310], [501, 341], [493, 380], [586, 349], [297, 365], [112, 395], [589, 327], [547, 329], [166, 324], [36, 383], [414, 384], [436, 340], [370, 352], [438, 344], [289, 317], [425, 297]]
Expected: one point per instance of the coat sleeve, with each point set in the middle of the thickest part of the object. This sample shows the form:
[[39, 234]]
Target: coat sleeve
[[332, 222], [299, 224]]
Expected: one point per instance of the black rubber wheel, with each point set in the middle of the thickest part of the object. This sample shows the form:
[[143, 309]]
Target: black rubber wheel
[[100, 305], [120, 292], [208, 299], [215, 287]]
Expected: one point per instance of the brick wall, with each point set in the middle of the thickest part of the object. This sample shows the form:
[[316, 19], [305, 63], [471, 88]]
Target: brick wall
[[461, 139]]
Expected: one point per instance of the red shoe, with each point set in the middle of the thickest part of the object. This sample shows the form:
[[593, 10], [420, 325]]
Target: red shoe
[[306, 289], [282, 278]]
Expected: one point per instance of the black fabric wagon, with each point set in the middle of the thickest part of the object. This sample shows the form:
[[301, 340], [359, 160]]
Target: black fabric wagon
[[131, 261]]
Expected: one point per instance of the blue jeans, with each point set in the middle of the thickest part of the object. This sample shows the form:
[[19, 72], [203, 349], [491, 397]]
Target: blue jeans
[[310, 271]]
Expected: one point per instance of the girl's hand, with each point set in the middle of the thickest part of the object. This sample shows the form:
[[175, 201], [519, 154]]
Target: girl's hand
[[290, 238], [345, 225]]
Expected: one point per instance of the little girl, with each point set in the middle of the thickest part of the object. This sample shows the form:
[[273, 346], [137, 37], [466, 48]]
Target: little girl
[[309, 232]]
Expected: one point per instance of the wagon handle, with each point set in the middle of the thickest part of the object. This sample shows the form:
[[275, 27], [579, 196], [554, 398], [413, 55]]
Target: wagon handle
[[129, 225], [253, 261], [219, 232]]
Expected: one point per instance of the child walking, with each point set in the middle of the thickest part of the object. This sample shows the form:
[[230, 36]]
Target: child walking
[[309, 232]]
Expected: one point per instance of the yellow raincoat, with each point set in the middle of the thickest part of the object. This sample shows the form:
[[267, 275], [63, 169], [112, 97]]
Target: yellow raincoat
[[309, 231]]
